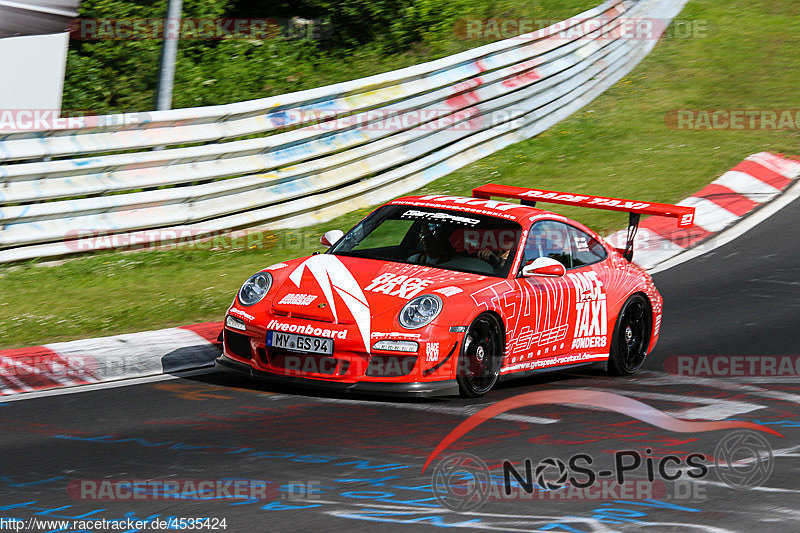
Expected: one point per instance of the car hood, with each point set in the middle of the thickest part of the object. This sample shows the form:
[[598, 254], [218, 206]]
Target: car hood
[[351, 290]]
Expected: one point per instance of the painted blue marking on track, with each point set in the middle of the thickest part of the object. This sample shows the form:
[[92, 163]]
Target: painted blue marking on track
[[8, 480], [408, 517], [781, 423], [360, 464]]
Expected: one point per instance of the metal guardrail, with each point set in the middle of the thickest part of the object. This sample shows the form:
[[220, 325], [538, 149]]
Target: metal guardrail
[[318, 153]]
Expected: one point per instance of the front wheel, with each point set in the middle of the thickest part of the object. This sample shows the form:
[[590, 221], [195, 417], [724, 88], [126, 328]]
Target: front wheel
[[481, 356], [631, 337]]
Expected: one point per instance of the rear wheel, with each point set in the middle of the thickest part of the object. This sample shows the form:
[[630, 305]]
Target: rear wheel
[[631, 337], [481, 356]]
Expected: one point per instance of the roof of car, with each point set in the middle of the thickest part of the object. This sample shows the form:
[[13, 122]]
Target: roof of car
[[497, 208]]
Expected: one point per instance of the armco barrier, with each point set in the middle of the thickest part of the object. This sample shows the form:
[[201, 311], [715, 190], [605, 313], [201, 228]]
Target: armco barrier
[[318, 153]]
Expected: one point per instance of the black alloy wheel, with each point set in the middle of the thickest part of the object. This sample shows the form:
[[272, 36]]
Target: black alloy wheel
[[481, 356]]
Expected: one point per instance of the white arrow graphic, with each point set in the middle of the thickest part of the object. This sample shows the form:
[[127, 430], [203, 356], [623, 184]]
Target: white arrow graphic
[[332, 275]]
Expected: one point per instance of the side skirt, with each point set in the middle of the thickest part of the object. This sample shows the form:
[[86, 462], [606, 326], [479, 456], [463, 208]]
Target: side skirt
[[546, 370]]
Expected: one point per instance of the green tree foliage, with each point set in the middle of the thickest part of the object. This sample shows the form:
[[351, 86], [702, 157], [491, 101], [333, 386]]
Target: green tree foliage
[[120, 75], [361, 37]]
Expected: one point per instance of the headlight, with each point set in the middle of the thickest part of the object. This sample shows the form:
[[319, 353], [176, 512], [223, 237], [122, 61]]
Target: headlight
[[420, 311], [255, 288]]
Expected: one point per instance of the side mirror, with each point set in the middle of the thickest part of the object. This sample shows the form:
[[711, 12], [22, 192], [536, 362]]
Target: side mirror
[[544, 266], [331, 237]]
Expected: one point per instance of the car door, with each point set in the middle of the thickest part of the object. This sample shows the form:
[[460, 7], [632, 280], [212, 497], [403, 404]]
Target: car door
[[541, 327], [590, 279]]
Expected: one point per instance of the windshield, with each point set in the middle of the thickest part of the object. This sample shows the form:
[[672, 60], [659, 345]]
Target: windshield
[[438, 238]]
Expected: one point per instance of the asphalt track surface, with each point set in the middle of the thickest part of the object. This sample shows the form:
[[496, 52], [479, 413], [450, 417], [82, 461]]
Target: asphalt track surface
[[355, 464]]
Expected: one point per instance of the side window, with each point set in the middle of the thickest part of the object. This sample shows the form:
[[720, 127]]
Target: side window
[[585, 248], [548, 238]]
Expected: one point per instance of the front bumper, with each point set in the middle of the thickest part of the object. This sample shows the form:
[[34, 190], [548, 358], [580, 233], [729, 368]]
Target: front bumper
[[412, 389]]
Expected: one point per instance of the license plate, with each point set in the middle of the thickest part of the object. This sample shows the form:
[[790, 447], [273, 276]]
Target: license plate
[[300, 343]]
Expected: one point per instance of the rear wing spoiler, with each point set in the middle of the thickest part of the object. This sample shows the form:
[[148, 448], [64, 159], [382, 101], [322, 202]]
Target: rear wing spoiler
[[684, 215]]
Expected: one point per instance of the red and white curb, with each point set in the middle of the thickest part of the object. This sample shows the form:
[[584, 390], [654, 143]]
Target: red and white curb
[[133, 355], [753, 182]]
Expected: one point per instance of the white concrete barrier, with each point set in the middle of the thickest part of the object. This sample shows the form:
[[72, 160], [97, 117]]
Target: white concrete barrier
[[318, 153]]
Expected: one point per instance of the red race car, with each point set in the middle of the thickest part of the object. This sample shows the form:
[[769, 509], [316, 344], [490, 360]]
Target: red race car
[[438, 295]]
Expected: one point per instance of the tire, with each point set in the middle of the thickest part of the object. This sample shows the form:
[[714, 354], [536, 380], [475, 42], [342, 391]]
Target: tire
[[631, 337], [481, 356]]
